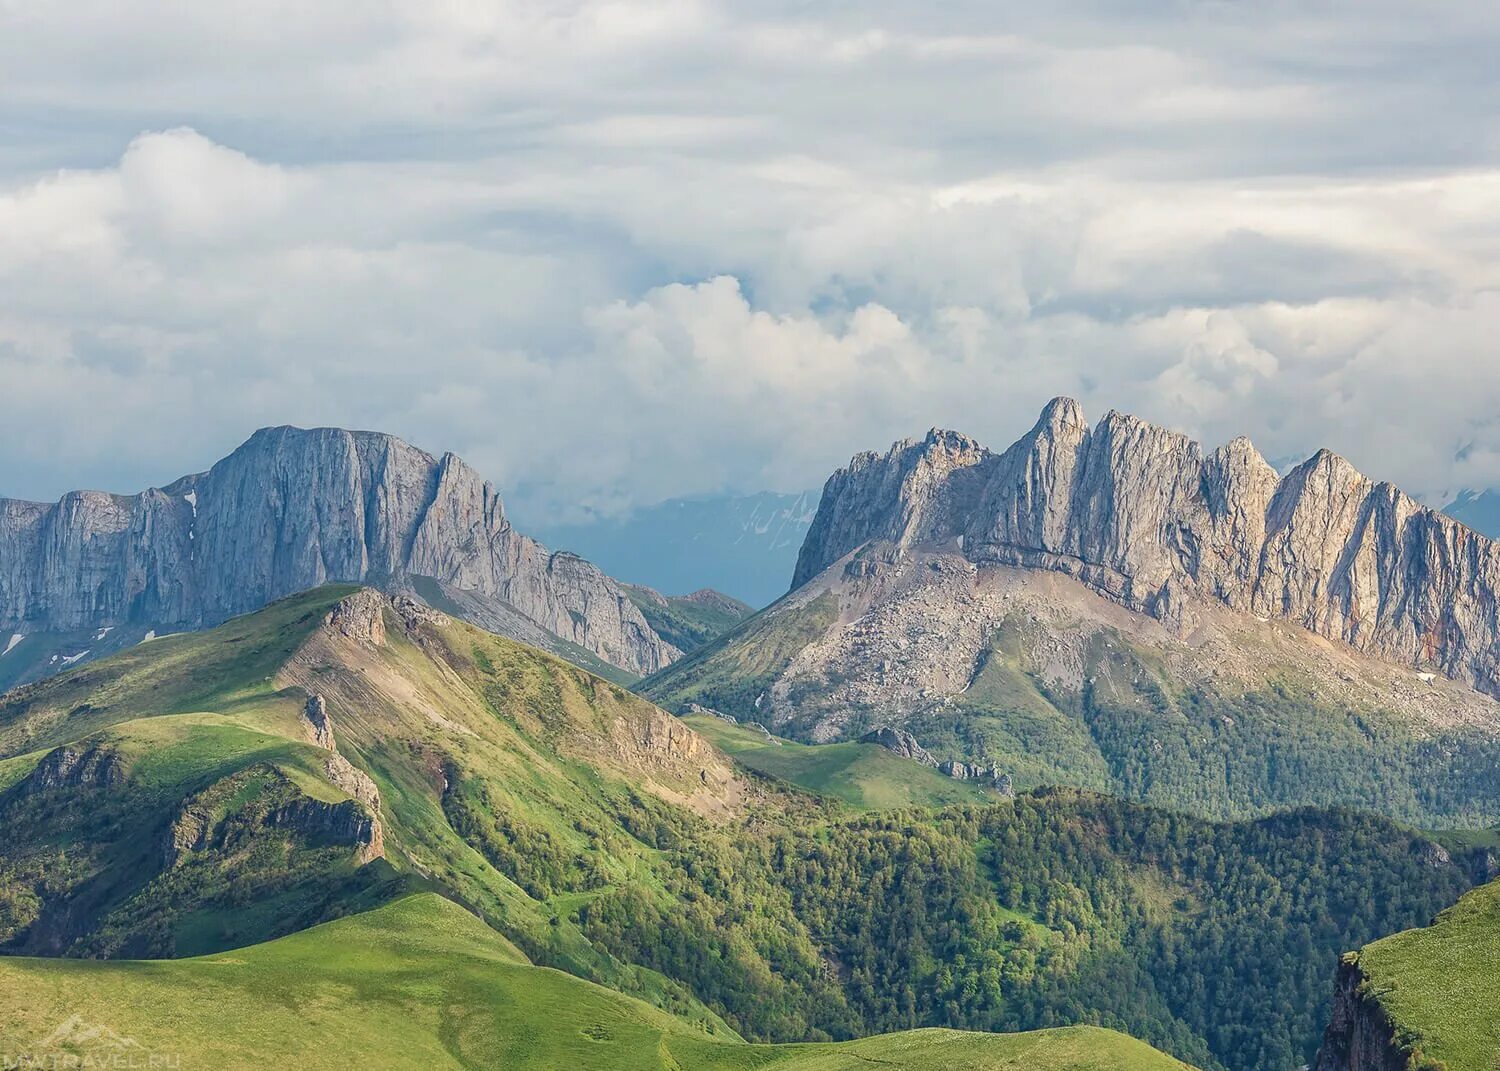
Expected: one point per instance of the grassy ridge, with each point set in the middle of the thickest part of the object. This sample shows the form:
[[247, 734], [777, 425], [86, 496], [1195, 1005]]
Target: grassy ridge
[[422, 984], [1439, 984], [865, 776]]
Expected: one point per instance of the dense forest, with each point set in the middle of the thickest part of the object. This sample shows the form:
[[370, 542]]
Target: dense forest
[[1215, 941]]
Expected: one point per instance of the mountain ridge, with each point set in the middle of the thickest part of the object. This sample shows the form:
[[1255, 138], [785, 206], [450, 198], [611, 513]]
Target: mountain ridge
[[293, 508], [1141, 515]]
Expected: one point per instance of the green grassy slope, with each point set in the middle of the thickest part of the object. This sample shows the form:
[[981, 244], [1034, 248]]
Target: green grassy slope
[[510, 777], [730, 673], [1439, 985], [229, 669], [422, 984], [866, 776]]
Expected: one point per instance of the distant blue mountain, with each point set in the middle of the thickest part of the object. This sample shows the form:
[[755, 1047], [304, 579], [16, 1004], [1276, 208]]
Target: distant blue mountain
[[1480, 510], [743, 545]]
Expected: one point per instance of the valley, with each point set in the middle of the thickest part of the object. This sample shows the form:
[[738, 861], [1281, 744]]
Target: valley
[[341, 750]]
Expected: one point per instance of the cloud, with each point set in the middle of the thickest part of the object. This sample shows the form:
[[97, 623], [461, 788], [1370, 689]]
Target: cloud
[[615, 251]]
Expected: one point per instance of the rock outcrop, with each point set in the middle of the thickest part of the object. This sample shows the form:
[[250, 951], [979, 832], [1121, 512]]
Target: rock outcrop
[[1140, 515], [344, 774], [75, 766], [1360, 1036], [899, 742], [231, 812], [992, 775], [292, 509], [319, 722]]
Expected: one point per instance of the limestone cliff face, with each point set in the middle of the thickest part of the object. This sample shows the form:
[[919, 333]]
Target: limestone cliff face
[[289, 510], [1140, 515]]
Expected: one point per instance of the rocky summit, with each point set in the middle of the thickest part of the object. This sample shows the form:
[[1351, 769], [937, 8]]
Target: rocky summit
[[1140, 515], [1113, 608], [289, 510]]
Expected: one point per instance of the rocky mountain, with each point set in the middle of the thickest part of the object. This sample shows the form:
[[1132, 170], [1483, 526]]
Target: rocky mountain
[[289, 510], [1112, 607], [1140, 515], [745, 545]]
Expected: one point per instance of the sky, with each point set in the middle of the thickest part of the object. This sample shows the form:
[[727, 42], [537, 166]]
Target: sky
[[613, 252]]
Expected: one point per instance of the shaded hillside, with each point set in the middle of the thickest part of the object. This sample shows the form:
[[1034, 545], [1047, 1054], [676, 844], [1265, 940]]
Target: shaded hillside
[[689, 621]]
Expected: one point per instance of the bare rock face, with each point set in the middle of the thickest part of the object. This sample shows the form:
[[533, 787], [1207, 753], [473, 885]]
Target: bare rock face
[[360, 617], [899, 742], [1138, 514], [415, 615], [1359, 1036], [319, 722], [289, 510], [345, 775]]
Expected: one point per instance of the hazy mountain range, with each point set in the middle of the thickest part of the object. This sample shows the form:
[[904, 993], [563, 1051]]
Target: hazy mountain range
[[1480, 510], [742, 545]]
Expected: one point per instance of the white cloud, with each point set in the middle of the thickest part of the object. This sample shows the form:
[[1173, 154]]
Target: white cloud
[[613, 251]]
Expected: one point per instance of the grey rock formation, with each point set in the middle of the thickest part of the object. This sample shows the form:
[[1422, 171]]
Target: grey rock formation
[[698, 708], [75, 766], [217, 817], [1140, 515], [319, 722], [292, 509], [962, 771], [899, 742]]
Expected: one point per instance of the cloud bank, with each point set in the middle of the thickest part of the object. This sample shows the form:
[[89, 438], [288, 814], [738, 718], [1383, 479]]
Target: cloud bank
[[617, 251]]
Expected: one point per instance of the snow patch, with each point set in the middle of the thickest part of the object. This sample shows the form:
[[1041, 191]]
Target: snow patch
[[68, 660], [14, 639], [104, 631], [191, 498]]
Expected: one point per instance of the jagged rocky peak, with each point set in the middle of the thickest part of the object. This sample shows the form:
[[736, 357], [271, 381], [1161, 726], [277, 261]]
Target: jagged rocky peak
[[288, 510], [1138, 513]]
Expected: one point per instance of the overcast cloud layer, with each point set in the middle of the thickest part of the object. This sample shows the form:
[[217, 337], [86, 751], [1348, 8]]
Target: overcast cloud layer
[[613, 252]]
